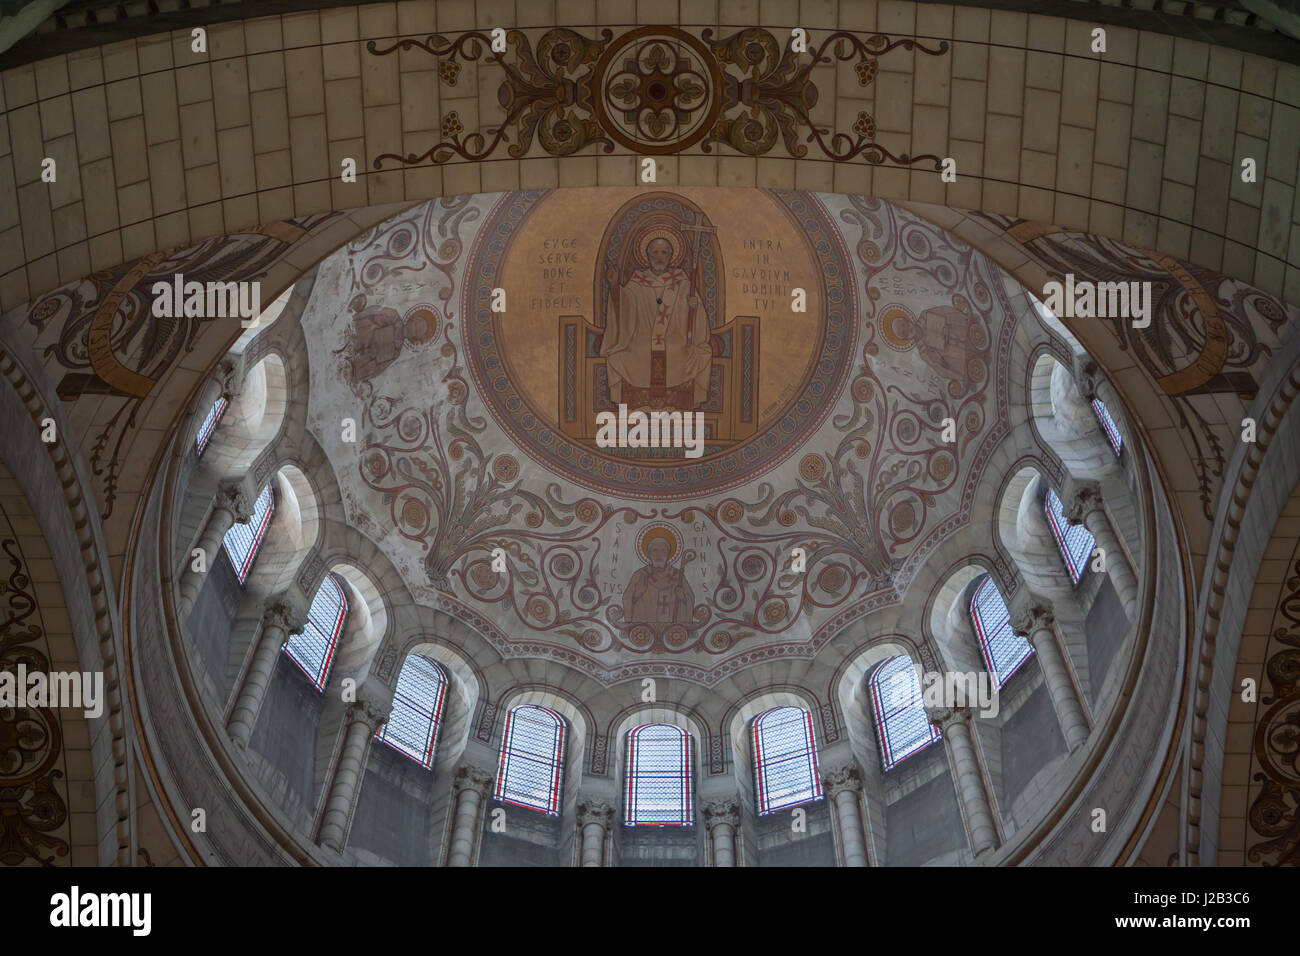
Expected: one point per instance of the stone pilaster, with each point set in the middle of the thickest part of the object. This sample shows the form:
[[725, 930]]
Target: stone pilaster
[[233, 504], [721, 818], [1083, 505], [470, 787], [844, 787], [1032, 618], [284, 617], [360, 724], [594, 821], [955, 725]]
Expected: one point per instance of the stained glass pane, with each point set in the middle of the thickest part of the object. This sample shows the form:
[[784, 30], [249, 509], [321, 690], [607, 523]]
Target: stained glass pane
[[532, 756], [243, 540], [785, 759], [1108, 425], [1074, 540], [210, 424], [313, 649], [901, 724], [412, 727], [659, 777], [1004, 650]]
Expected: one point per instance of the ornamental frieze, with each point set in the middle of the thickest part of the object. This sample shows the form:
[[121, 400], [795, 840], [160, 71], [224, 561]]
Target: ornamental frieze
[[657, 90]]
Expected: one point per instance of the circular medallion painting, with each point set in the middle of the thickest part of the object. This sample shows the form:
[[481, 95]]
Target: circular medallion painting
[[659, 343]]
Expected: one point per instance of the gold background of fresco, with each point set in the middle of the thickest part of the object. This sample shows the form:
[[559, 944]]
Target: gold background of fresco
[[528, 330]]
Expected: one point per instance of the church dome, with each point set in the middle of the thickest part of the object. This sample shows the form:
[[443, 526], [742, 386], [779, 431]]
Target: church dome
[[824, 467]]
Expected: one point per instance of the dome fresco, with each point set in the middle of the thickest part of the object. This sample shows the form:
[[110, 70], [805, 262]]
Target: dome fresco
[[855, 431]]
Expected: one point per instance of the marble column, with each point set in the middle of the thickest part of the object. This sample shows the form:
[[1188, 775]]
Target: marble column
[[232, 504], [594, 819], [844, 787], [360, 723], [1083, 505], [1033, 619], [469, 789], [955, 724], [721, 819], [283, 618]]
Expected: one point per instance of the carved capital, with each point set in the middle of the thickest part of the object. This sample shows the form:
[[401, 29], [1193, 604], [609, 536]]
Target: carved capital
[[372, 715], [722, 811], [472, 778], [847, 777], [1080, 498], [226, 378], [946, 717], [232, 496], [285, 613], [1087, 377], [594, 811], [1030, 615]]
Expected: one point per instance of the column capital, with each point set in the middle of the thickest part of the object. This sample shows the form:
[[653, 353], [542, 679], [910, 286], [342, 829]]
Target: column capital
[[232, 496], [595, 811], [285, 612], [945, 717], [472, 778], [368, 713], [1030, 614], [1086, 376], [226, 376], [722, 811], [848, 777], [1079, 498]]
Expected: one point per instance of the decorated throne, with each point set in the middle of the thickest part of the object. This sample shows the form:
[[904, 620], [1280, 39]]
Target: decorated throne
[[729, 402]]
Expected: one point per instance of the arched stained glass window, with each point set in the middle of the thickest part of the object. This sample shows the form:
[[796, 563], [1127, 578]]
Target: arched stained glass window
[[785, 759], [1108, 425], [412, 727], [1074, 540], [313, 649], [902, 726], [210, 424], [1004, 650], [658, 788], [243, 540], [532, 759]]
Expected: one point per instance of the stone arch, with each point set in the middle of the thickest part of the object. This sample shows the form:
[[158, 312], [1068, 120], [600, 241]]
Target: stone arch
[[1054, 325], [294, 531], [367, 622], [855, 697], [1066, 421], [580, 732], [737, 728], [253, 419], [462, 697], [949, 617], [860, 723], [1034, 546], [1023, 529], [43, 618], [428, 793], [662, 713]]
